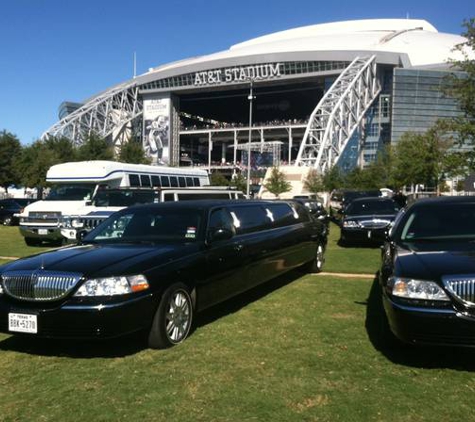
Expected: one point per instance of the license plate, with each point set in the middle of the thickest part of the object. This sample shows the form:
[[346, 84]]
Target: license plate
[[23, 323], [43, 232]]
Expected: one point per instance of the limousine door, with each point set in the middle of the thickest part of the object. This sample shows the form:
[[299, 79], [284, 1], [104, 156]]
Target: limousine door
[[225, 262]]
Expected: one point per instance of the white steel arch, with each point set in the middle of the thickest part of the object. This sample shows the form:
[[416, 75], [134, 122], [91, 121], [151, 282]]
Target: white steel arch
[[107, 115], [338, 114]]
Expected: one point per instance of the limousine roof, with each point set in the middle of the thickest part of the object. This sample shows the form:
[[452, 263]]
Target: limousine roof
[[209, 203]]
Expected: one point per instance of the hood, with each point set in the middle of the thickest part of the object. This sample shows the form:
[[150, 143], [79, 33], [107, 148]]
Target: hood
[[426, 263], [57, 207], [102, 260]]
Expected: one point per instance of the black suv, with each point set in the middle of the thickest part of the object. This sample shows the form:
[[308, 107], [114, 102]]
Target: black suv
[[11, 206]]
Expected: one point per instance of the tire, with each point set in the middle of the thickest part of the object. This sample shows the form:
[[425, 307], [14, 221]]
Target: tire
[[30, 241], [316, 265], [172, 321]]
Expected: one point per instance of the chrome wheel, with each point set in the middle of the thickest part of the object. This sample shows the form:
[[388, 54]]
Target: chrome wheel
[[319, 258], [173, 318], [178, 316]]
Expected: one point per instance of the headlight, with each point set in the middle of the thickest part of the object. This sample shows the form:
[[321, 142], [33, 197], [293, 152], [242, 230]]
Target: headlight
[[417, 289], [112, 286], [76, 223], [350, 224]]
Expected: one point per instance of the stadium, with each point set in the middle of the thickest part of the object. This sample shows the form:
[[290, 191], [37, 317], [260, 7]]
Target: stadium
[[314, 97]]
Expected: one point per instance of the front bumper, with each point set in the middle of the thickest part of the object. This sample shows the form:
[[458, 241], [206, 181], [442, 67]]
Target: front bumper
[[75, 320], [420, 325], [49, 233], [363, 235]]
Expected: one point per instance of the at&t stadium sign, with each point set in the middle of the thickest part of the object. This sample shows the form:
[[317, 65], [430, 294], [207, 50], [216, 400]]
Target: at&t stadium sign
[[237, 74]]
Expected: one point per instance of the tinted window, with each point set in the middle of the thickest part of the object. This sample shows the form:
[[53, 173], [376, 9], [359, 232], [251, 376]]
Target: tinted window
[[182, 182], [440, 221], [156, 181], [189, 182], [145, 180], [250, 218], [134, 180], [173, 181], [221, 218], [167, 197], [165, 181], [149, 225], [196, 181], [372, 207], [282, 214], [198, 195]]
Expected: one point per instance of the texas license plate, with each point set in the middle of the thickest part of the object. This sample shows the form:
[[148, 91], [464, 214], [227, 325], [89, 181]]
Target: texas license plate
[[23, 323]]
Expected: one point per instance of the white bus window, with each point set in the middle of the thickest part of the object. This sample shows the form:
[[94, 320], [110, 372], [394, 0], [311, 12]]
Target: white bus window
[[156, 181], [134, 180], [145, 180], [182, 182], [173, 181], [165, 181]]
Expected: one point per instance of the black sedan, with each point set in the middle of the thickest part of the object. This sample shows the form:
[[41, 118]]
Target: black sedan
[[11, 206], [366, 220], [428, 273], [150, 267]]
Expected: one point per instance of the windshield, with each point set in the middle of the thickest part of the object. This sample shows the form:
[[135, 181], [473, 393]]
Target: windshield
[[71, 192], [372, 207], [440, 221], [149, 225]]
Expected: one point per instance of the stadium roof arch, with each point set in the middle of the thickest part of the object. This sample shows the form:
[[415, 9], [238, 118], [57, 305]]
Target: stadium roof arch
[[357, 47]]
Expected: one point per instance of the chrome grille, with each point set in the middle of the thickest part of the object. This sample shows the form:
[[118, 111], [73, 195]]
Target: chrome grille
[[37, 217], [91, 222], [374, 224], [462, 288], [39, 285]]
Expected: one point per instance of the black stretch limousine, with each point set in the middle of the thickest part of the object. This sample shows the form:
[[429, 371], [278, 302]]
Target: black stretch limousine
[[150, 267], [428, 272]]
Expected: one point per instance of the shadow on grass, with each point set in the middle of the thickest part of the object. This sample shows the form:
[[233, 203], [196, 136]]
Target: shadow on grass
[[238, 302], [132, 344], [428, 357], [121, 347]]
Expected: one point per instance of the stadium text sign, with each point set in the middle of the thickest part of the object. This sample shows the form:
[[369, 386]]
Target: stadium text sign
[[237, 74]]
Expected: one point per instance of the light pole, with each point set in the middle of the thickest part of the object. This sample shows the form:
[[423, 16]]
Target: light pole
[[250, 98]]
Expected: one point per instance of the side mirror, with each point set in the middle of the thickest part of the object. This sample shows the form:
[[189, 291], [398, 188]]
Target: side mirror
[[220, 233]]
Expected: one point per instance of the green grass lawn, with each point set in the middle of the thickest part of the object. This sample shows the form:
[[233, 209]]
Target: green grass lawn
[[13, 245], [300, 348]]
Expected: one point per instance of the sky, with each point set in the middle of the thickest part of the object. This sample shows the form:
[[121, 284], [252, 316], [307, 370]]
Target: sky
[[62, 50]]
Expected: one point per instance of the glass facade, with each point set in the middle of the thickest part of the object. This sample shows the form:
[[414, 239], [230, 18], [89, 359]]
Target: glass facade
[[419, 101]]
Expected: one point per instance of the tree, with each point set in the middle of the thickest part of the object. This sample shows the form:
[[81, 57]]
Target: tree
[[62, 149], [218, 179], [277, 183], [421, 158], [333, 179], [313, 182], [95, 148], [132, 152], [239, 182], [462, 87], [34, 162], [10, 149]]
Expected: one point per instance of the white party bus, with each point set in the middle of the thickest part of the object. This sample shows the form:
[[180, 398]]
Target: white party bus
[[75, 184]]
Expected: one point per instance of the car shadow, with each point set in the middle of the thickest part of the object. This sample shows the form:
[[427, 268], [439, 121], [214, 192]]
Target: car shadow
[[114, 348], [429, 357], [240, 301], [135, 343]]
